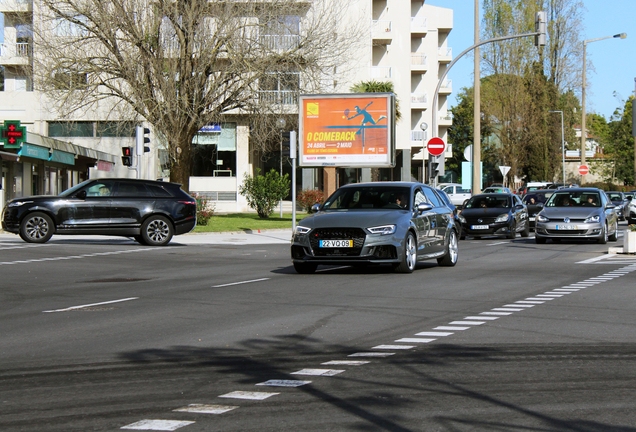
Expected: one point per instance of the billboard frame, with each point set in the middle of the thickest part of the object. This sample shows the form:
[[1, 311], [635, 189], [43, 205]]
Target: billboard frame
[[328, 152]]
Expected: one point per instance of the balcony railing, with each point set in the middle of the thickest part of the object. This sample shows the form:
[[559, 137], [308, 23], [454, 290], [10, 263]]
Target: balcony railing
[[19, 49], [445, 52], [279, 42], [379, 27], [418, 135], [419, 98], [447, 85], [419, 59], [419, 24], [380, 72], [280, 97]]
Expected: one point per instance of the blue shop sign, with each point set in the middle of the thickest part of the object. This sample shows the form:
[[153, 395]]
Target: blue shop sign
[[62, 157], [34, 151]]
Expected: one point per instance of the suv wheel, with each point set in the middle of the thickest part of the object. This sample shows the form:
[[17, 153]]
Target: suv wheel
[[37, 227], [156, 231]]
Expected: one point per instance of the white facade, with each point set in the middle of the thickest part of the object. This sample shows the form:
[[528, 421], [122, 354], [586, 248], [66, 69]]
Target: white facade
[[406, 43]]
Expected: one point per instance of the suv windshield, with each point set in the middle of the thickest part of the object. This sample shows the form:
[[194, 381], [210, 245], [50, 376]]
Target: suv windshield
[[369, 197]]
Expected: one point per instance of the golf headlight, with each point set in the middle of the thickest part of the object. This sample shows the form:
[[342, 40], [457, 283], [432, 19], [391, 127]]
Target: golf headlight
[[541, 218], [18, 203], [502, 218], [302, 230], [382, 230], [593, 219]]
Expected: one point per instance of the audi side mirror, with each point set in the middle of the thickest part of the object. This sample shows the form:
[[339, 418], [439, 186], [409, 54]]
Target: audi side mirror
[[315, 208], [81, 195], [423, 207]]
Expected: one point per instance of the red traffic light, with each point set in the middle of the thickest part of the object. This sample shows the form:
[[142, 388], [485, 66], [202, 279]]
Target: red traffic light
[[126, 151]]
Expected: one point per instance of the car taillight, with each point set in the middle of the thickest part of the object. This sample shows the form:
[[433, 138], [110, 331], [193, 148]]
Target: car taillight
[[188, 202]]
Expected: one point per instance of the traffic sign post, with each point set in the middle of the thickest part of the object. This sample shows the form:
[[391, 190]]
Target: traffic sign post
[[436, 147], [583, 169]]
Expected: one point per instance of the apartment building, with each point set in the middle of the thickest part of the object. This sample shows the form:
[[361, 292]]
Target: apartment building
[[405, 43]]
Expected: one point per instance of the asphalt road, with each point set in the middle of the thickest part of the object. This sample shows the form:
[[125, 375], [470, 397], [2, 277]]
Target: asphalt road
[[218, 333]]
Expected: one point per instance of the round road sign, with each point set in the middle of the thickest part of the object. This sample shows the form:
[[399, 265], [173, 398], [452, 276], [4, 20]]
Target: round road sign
[[583, 169], [436, 146]]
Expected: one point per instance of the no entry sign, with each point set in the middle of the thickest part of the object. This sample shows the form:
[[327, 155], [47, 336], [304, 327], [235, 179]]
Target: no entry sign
[[436, 146], [583, 169]]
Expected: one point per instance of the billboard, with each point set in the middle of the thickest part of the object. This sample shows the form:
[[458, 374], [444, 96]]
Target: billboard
[[347, 130]]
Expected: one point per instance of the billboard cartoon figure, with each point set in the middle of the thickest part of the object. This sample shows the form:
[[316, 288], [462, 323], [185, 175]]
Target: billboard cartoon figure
[[366, 117]]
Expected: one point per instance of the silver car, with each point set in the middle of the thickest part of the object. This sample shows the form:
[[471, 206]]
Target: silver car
[[582, 213], [395, 223]]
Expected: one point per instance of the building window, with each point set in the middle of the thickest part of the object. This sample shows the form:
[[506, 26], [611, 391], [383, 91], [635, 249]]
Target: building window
[[280, 88], [70, 80], [214, 151], [71, 129], [113, 129], [1, 78]]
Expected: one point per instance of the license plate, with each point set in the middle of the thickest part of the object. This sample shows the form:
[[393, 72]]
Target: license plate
[[531, 219], [566, 227], [336, 243], [475, 227]]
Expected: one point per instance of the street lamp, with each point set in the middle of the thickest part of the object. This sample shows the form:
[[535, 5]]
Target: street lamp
[[562, 144], [280, 123], [423, 126], [583, 131]]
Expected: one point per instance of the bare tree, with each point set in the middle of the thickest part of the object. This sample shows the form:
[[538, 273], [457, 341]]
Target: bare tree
[[178, 64]]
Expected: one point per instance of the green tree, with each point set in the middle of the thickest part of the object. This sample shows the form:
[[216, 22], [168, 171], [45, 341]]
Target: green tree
[[378, 87], [620, 147], [264, 192]]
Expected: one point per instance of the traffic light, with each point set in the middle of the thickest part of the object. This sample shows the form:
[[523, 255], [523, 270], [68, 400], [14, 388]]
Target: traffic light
[[541, 26], [142, 140], [433, 166], [126, 156]]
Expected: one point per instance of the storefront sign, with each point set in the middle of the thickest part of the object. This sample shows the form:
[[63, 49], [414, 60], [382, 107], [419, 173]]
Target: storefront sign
[[347, 130], [105, 166], [33, 151], [62, 157], [12, 134]]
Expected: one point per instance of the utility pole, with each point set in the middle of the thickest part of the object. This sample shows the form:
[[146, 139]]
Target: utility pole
[[476, 159]]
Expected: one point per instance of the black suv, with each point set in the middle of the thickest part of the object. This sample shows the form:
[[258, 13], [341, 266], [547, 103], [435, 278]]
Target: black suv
[[149, 211]]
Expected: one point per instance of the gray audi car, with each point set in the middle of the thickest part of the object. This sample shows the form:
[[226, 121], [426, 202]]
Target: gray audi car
[[395, 223], [581, 213]]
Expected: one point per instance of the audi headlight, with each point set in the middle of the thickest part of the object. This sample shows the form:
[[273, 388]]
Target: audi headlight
[[543, 219], [593, 219], [382, 230], [18, 203], [502, 218], [302, 230]]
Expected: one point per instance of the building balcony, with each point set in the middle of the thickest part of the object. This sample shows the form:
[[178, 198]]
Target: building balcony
[[381, 32], [419, 101], [16, 6], [419, 62], [418, 137], [279, 97], [446, 119], [279, 42], [446, 87], [419, 26], [444, 54], [16, 54], [380, 72]]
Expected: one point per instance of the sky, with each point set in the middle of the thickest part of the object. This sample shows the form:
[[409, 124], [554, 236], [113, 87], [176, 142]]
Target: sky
[[614, 60]]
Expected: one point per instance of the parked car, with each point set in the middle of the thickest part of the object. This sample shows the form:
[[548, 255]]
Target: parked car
[[457, 193], [149, 211], [530, 186], [534, 201], [396, 223], [578, 213], [494, 214], [496, 189], [620, 201], [444, 196]]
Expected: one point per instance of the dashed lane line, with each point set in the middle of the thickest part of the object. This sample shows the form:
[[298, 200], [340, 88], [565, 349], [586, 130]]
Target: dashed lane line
[[91, 255], [90, 305]]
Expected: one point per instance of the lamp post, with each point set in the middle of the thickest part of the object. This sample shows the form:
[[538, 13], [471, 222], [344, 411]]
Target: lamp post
[[562, 144], [281, 125], [423, 126], [583, 131]]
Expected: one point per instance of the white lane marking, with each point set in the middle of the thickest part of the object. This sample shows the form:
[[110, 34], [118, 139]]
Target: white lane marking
[[345, 362], [489, 318], [283, 383], [530, 302], [248, 395], [318, 372], [550, 295], [567, 289], [158, 425], [498, 243], [206, 409], [90, 305], [82, 256], [519, 305], [495, 313], [593, 260], [507, 309], [414, 340], [392, 347], [370, 354], [539, 298], [451, 328], [442, 334], [555, 292], [240, 283], [467, 322]]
